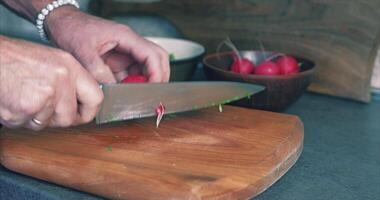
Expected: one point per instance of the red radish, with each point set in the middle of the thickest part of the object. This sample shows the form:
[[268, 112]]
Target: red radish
[[243, 66], [240, 65], [268, 68], [134, 79], [288, 65], [160, 111]]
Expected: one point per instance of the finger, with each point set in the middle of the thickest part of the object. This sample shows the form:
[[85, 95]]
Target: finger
[[145, 54], [165, 64], [120, 75], [65, 111], [154, 70], [22, 116], [97, 68], [11, 125], [118, 63], [44, 117], [90, 97], [11, 120]]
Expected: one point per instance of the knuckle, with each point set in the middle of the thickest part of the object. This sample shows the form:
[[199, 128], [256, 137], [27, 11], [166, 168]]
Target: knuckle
[[62, 72], [124, 28], [97, 98], [5, 115], [98, 72], [28, 107], [66, 62], [48, 91]]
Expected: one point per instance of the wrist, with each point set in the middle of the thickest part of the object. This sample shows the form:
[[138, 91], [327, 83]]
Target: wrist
[[59, 20], [5, 47], [53, 10], [28, 9]]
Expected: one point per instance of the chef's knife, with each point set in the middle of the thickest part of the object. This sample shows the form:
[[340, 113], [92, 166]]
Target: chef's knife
[[130, 101]]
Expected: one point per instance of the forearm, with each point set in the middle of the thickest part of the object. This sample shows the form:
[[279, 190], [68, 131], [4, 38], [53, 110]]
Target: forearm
[[4, 50], [27, 8]]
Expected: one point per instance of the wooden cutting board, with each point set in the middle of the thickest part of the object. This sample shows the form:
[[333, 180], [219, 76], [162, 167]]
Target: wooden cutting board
[[236, 154]]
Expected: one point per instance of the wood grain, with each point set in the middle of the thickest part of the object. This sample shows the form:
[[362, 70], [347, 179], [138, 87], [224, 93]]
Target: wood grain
[[235, 154], [342, 37]]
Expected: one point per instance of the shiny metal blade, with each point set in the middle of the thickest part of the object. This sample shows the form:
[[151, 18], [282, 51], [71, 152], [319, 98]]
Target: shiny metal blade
[[130, 101]]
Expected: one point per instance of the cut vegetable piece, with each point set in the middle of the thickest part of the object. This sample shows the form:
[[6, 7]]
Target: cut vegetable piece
[[160, 111]]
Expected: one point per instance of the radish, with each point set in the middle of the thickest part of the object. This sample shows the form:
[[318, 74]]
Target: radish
[[288, 65], [235, 67], [268, 68], [134, 79], [243, 66], [240, 65]]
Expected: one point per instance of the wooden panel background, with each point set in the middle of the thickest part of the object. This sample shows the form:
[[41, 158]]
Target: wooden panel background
[[342, 37], [376, 73]]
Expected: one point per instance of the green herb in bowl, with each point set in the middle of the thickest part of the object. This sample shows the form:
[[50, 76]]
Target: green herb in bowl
[[184, 56], [171, 57]]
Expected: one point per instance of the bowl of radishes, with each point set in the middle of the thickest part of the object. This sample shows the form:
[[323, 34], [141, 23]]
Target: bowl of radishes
[[285, 76]]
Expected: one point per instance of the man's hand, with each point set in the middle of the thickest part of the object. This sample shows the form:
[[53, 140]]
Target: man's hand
[[109, 51], [44, 84]]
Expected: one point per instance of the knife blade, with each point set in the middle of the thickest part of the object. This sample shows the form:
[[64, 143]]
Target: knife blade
[[131, 101]]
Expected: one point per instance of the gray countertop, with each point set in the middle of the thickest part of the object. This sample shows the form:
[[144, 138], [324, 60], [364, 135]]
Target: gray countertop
[[340, 160]]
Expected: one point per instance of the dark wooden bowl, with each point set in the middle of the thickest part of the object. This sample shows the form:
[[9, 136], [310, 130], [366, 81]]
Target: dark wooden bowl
[[281, 91]]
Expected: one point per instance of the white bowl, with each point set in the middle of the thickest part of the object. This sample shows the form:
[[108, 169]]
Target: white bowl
[[187, 54]]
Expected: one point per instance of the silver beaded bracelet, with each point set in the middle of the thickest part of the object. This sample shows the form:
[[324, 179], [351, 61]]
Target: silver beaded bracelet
[[45, 12]]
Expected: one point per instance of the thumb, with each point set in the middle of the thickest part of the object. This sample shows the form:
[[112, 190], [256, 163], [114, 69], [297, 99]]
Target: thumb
[[97, 68]]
